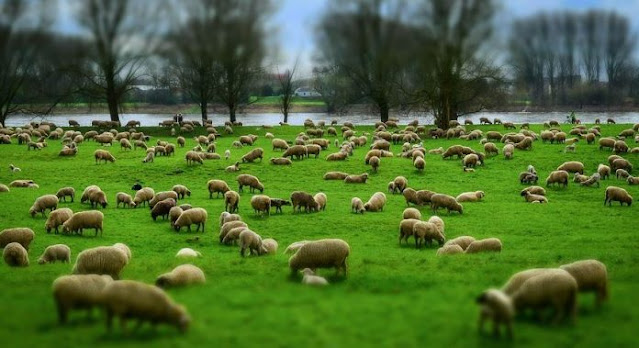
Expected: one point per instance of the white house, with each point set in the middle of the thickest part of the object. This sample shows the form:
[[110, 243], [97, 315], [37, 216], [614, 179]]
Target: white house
[[306, 92]]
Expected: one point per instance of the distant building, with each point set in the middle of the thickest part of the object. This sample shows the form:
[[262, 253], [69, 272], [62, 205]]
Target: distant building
[[306, 92]]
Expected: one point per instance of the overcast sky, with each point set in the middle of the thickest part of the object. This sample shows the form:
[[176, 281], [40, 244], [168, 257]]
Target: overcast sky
[[297, 20]]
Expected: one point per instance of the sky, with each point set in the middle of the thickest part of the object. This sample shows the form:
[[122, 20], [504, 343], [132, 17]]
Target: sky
[[296, 20]]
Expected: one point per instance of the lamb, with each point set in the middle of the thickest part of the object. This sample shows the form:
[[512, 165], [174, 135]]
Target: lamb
[[419, 163], [80, 291], [621, 174], [160, 196], [463, 242], [192, 157], [593, 179], [231, 201], [195, 216], [162, 208], [356, 179], [555, 287], [143, 195], [252, 241], [323, 253], [489, 244], [572, 167], [604, 171], [376, 202], [425, 232], [558, 177], [301, 199], [43, 203], [309, 278], [21, 235], [132, 299], [217, 186], [56, 252], [270, 245], [188, 252], [251, 181], [181, 275], [335, 176], [125, 199], [498, 307], [278, 203], [470, 196], [281, 161], [228, 226], [84, 219], [632, 180], [65, 192], [233, 168], [411, 213], [227, 155], [15, 255], [614, 193], [445, 201], [320, 199], [57, 218], [508, 151], [103, 155], [181, 191], [357, 206], [108, 260], [261, 203], [591, 275], [253, 155], [533, 198]]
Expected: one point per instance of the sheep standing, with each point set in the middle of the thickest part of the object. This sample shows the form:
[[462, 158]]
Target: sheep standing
[[43, 203], [56, 252], [181, 190], [108, 260], [21, 235], [614, 193], [604, 171], [425, 232], [591, 275], [162, 208], [323, 253], [261, 203], [217, 187], [301, 199], [572, 167], [228, 226], [419, 164], [160, 196], [84, 219], [489, 244], [251, 181], [376, 202], [498, 307], [181, 275], [65, 192], [555, 288], [195, 216], [15, 255], [559, 177], [320, 199], [357, 206], [125, 199], [411, 213], [278, 203], [251, 241], [57, 218], [103, 155], [143, 196], [231, 201], [80, 291], [445, 201]]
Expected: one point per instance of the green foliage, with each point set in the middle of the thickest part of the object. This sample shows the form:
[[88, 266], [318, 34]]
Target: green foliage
[[394, 295]]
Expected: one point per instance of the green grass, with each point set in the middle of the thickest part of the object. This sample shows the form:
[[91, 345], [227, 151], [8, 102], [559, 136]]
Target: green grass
[[394, 296]]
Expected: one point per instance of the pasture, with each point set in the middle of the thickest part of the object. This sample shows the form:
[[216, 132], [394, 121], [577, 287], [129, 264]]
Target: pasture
[[393, 296]]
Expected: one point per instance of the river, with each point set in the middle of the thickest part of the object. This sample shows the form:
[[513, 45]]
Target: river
[[256, 119]]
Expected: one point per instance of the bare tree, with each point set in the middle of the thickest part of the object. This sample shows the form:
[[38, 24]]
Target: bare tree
[[287, 90], [619, 45], [591, 44], [335, 89]]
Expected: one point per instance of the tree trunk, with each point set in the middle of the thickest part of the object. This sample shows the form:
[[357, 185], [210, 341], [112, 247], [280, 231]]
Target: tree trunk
[[204, 110], [383, 112], [112, 101], [285, 116], [232, 113]]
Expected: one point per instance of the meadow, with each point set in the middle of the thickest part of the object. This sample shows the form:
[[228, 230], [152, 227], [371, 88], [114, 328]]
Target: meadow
[[393, 296]]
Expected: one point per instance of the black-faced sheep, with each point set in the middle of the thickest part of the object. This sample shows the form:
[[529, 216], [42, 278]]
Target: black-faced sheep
[[278, 203]]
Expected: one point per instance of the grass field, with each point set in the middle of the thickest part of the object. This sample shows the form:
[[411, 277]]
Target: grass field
[[393, 296]]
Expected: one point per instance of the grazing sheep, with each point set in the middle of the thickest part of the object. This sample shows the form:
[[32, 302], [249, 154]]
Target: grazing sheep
[[160, 196], [335, 176], [313, 149], [57, 219], [411, 213], [591, 275], [554, 287], [231, 201], [410, 196], [323, 253], [21, 235], [449, 249], [15, 255], [261, 203], [217, 186], [558, 177], [227, 155], [174, 214], [632, 180], [298, 151], [136, 300], [279, 144], [253, 155], [425, 232], [445, 201], [195, 216], [470, 196], [108, 260], [528, 178], [406, 229], [193, 157], [320, 199], [80, 291], [181, 191], [103, 155], [228, 226], [419, 163], [233, 235], [537, 190], [270, 245], [278, 203], [181, 275], [572, 167], [143, 196], [508, 151], [357, 206], [498, 307], [516, 280], [489, 244], [462, 241], [162, 208], [251, 241], [621, 163], [376, 202], [125, 199], [604, 171], [281, 161], [301, 199], [593, 179], [622, 174], [84, 219], [614, 193], [491, 149], [309, 278], [65, 192], [188, 252], [356, 179], [97, 198], [374, 163], [43, 203], [56, 252], [251, 181], [150, 157], [399, 184], [533, 198]]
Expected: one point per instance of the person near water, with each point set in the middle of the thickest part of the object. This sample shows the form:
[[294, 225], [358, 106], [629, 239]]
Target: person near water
[[573, 119]]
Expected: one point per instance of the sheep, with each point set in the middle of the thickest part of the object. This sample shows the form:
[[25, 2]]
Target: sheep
[[281, 161], [470, 196], [228, 226], [43, 203], [181, 275], [298, 151], [80, 291], [449, 250], [188, 252], [558, 177], [620, 147], [425, 232], [4, 188], [323, 253], [160, 196], [621, 174], [593, 179], [528, 178], [357, 206], [108, 260], [251, 181], [614, 193], [227, 154], [195, 216], [335, 176], [125, 199], [21, 235], [269, 246], [309, 278], [233, 235], [84, 219], [57, 218], [406, 229], [261, 203], [399, 184], [132, 299], [621, 163], [554, 287], [252, 241], [632, 180], [591, 275], [181, 191], [463, 242], [419, 163], [124, 248], [604, 171], [192, 157], [491, 149], [103, 155], [253, 155], [374, 163], [356, 179], [64, 192], [606, 143], [516, 280], [231, 201], [301, 199], [376, 202], [233, 168], [445, 201], [97, 198], [217, 186], [498, 307], [15, 255], [143, 196], [533, 198], [22, 183], [320, 199], [162, 208], [508, 151], [489, 244], [572, 167], [278, 203], [56, 252], [411, 213]]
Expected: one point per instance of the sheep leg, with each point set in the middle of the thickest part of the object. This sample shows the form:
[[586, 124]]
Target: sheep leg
[[62, 313]]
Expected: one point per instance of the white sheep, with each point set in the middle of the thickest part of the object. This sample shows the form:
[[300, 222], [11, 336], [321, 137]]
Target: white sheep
[[591, 275], [15, 255], [555, 288], [80, 291], [101, 260], [324, 253], [498, 307], [56, 252], [57, 218], [188, 252], [309, 278], [195, 216], [182, 275]]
